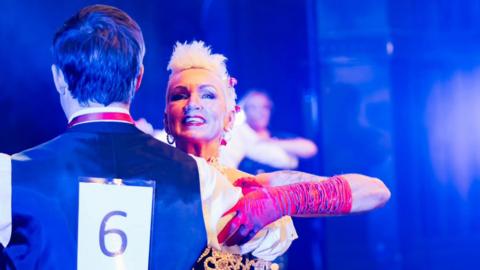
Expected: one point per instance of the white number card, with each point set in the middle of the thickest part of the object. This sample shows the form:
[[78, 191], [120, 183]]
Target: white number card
[[114, 223]]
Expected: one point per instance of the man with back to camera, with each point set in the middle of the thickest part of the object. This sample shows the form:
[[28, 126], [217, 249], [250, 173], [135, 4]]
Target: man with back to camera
[[97, 69]]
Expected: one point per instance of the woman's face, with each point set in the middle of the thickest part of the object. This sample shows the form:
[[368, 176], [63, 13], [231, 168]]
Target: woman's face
[[196, 106]]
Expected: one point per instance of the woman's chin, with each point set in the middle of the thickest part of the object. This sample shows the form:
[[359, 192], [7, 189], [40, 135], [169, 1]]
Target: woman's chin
[[196, 137]]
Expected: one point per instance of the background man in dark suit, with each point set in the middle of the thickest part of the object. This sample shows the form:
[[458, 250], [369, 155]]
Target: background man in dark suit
[[97, 68]]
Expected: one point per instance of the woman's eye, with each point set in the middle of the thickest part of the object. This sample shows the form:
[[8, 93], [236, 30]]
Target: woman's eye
[[178, 96], [209, 96]]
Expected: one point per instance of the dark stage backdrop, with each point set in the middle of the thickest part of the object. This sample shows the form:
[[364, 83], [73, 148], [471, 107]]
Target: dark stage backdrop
[[389, 88]]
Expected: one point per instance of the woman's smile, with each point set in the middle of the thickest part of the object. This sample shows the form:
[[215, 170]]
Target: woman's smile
[[193, 120]]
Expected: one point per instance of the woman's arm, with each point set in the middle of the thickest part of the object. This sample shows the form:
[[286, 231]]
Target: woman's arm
[[368, 193], [311, 196], [286, 177]]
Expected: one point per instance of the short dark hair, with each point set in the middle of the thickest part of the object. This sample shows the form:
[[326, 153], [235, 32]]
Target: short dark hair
[[252, 92], [100, 51]]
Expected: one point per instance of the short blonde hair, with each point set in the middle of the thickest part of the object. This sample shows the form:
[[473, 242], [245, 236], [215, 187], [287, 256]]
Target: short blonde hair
[[197, 55]]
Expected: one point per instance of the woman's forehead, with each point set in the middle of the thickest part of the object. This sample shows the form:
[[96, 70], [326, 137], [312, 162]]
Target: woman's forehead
[[196, 76]]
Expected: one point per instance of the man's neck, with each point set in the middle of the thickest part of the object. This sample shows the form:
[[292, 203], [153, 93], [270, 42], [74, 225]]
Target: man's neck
[[262, 132]]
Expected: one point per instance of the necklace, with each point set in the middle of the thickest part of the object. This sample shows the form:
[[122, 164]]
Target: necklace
[[213, 161]]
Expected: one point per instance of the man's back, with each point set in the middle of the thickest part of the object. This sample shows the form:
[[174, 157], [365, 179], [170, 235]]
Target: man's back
[[45, 194]]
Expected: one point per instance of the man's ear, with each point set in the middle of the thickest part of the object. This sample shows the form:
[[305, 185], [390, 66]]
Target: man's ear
[[139, 78], [59, 80]]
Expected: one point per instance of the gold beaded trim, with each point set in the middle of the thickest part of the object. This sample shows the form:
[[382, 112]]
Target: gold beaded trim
[[220, 260]]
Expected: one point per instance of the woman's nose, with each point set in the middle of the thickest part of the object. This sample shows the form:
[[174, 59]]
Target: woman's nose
[[194, 103]]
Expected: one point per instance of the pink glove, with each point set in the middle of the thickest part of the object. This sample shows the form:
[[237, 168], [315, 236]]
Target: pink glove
[[262, 206], [248, 184]]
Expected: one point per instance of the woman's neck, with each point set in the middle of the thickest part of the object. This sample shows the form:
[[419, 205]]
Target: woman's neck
[[205, 150]]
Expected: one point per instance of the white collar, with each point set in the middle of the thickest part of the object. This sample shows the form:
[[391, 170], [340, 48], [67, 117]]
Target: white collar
[[97, 110]]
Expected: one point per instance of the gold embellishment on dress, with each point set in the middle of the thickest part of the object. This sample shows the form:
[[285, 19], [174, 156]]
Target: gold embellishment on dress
[[220, 260], [205, 253]]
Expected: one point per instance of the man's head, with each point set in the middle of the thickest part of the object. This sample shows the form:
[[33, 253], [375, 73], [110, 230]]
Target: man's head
[[98, 56], [257, 106]]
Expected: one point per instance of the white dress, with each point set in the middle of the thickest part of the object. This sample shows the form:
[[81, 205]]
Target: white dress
[[218, 196]]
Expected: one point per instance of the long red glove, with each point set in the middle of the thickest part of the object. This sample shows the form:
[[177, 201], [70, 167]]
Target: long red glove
[[263, 205], [248, 184]]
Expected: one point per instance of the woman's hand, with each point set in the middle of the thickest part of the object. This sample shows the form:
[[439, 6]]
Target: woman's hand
[[253, 212], [248, 184]]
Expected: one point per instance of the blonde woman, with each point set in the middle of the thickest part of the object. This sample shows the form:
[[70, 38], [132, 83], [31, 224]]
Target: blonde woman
[[200, 110]]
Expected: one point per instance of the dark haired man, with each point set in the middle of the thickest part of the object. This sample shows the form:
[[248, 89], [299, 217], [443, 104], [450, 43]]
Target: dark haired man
[[97, 68]]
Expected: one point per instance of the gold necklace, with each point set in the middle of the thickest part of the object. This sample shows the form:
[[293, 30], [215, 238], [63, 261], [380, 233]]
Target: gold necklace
[[213, 161]]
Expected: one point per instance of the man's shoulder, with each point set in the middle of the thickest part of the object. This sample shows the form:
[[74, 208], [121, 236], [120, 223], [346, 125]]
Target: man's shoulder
[[150, 147], [133, 142], [123, 154], [41, 150]]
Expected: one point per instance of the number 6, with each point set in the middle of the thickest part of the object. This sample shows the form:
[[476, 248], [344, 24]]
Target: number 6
[[104, 232]]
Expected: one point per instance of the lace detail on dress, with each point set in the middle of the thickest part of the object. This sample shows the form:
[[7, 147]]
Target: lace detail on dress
[[212, 259]]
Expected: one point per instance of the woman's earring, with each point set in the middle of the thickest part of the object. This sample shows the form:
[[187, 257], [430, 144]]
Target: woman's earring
[[225, 138], [170, 138]]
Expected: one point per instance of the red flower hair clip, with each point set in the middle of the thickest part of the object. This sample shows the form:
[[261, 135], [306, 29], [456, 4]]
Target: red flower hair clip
[[232, 81]]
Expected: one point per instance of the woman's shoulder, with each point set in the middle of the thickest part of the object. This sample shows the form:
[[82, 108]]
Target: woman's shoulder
[[233, 174]]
